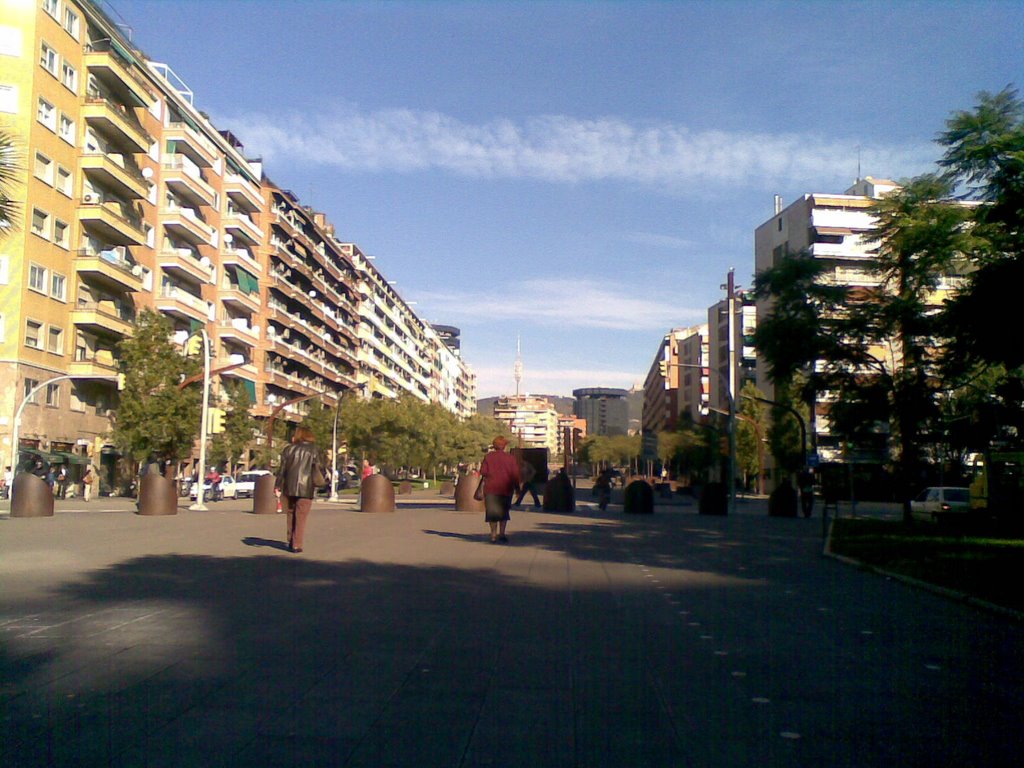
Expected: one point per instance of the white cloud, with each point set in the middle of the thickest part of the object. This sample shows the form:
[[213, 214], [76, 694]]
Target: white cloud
[[659, 241], [497, 380], [561, 149], [579, 304]]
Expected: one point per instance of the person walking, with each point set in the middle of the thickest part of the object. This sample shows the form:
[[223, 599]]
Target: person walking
[[528, 484], [500, 473], [87, 484], [300, 473]]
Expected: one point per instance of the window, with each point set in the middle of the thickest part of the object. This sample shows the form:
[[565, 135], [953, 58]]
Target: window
[[47, 114], [37, 278], [43, 168], [55, 340], [71, 22], [53, 395], [58, 287], [41, 223], [33, 330], [51, 6], [9, 99], [30, 384], [49, 60], [61, 235], [67, 129], [69, 76], [64, 181], [76, 403]]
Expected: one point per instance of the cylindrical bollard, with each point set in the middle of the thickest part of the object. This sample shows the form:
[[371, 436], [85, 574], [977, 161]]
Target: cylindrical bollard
[[447, 489], [638, 498], [464, 490], [559, 495], [157, 496], [376, 494], [31, 496], [264, 500], [404, 488]]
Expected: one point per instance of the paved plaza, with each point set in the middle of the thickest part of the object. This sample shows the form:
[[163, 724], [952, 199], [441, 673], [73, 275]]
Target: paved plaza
[[407, 639]]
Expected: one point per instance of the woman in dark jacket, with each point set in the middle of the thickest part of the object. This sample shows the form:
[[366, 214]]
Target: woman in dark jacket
[[300, 462]]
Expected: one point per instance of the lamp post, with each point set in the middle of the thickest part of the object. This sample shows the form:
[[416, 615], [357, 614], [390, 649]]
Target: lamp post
[[199, 506], [28, 398], [334, 453]]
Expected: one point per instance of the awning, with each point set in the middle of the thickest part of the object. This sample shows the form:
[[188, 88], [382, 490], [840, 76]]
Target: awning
[[250, 387], [70, 458], [52, 458]]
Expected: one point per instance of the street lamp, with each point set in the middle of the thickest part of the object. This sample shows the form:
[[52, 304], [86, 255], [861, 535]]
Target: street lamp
[[201, 475], [28, 398]]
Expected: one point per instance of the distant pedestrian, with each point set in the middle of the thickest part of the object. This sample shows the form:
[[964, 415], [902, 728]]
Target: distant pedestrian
[[528, 483], [500, 473], [62, 483], [302, 468], [87, 479], [368, 469]]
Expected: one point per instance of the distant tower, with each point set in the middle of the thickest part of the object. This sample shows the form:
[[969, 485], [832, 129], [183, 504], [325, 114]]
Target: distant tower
[[517, 369]]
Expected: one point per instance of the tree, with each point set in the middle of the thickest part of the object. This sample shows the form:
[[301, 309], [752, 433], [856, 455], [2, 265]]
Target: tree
[[10, 168], [750, 431], [155, 418]]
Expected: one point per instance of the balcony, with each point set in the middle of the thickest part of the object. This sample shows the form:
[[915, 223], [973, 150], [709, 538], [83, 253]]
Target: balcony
[[188, 140], [186, 265], [238, 329], [109, 270], [176, 301], [98, 363], [111, 221], [241, 227], [114, 172], [112, 65], [117, 122], [244, 300], [242, 258], [103, 318], [185, 180], [185, 224], [243, 193]]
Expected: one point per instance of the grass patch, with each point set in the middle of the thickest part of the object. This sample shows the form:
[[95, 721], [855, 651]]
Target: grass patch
[[982, 565]]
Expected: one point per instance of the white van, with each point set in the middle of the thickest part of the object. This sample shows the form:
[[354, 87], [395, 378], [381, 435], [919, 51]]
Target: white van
[[246, 485]]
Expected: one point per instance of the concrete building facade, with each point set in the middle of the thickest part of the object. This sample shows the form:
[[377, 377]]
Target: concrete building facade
[[605, 410]]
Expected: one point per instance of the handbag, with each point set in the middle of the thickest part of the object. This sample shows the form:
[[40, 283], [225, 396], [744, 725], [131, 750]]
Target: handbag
[[478, 494], [319, 479]]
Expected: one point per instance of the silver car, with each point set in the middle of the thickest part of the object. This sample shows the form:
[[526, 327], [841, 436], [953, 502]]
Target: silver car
[[940, 502]]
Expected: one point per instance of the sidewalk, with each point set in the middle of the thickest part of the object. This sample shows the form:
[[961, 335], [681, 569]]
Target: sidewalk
[[407, 639]]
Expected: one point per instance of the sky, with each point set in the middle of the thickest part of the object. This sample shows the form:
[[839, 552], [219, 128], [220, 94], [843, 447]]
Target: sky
[[580, 176]]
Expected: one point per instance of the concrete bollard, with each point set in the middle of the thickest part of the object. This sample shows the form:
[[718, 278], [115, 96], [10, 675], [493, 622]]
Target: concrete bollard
[[447, 488], [638, 498], [157, 496], [264, 500], [464, 490], [404, 489], [559, 495], [376, 494], [31, 496]]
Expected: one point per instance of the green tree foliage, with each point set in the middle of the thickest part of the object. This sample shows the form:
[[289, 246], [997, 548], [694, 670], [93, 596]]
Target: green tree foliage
[[230, 446], [10, 168], [154, 417], [751, 428]]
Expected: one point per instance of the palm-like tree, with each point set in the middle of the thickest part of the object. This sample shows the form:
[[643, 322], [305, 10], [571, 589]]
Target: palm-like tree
[[9, 167]]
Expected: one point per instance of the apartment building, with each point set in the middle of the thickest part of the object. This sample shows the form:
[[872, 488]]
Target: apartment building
[[676, 383], [836, 229], [533, 420], [743, 353], [131, 198], [604, 409]]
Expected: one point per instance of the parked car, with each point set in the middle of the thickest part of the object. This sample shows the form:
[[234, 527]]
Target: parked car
[[245, 486], [940, 502], [227, 489]]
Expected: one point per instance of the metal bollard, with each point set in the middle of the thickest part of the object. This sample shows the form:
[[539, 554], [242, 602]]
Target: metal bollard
[[264, 500], [464, 490], [376, 494], [157, 496], [31, 496]]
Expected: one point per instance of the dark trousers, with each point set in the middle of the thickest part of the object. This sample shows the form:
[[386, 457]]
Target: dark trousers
[[297, 509], [530, 488]]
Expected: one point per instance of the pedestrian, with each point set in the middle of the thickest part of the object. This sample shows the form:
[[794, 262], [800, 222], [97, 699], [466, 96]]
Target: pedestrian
[[806, 481], [62, 482], [300, 474], [367, 469], [603, 487], [6, 483], [87, 484], [528, 483], [500, 476]]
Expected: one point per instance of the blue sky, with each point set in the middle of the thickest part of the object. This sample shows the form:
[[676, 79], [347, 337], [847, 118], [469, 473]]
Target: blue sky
[[582, 175]]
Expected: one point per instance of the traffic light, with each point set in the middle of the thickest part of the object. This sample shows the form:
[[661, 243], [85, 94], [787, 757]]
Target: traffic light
[[194, 345], [215, 425], [120, 382], [663, 368]]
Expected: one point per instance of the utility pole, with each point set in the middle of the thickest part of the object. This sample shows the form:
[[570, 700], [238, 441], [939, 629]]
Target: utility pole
[[731, 309]]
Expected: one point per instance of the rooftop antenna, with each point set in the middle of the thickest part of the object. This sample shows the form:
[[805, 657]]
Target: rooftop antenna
[[517, 369], [858, 162]]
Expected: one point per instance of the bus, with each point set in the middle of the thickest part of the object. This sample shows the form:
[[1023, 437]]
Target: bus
[[998, 486]]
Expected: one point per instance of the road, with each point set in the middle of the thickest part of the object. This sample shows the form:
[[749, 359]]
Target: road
[[591, 639]]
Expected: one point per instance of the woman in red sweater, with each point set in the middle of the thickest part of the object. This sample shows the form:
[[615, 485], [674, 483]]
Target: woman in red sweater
[[500, 471]]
